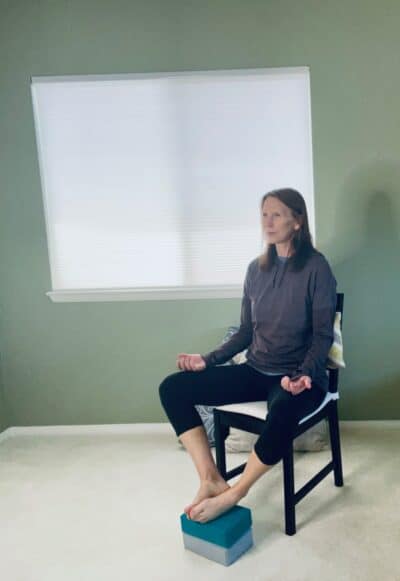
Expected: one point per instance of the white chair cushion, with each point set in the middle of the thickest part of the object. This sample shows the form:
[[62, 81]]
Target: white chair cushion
[[313, 440], [258, 409]]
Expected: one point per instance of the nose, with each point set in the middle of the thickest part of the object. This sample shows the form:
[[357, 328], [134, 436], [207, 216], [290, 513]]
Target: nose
[[268, 222]]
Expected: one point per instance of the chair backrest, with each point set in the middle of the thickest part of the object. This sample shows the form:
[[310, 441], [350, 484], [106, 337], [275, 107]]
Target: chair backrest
[[339, 306], [334, 373]]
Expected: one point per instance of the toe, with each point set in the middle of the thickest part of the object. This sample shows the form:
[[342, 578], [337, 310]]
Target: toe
[[194, 512], [188, 510], [190, 507]]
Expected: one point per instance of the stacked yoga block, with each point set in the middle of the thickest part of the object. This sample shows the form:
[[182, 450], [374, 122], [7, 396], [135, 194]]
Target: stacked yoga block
[[223, 539]]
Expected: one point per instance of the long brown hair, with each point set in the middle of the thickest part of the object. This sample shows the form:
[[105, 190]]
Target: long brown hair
[[302, 240]]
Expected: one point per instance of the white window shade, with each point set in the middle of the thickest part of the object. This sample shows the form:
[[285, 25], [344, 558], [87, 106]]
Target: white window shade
[[153, 182]]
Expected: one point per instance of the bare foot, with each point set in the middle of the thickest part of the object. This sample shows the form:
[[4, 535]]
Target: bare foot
[[208, 489], [211, 508]]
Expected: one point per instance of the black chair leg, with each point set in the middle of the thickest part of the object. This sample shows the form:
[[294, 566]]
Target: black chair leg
[[220, 434], [335, 444], [288, 482]]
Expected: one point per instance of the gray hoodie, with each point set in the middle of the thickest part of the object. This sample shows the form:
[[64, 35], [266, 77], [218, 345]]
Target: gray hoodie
[[286, 320]]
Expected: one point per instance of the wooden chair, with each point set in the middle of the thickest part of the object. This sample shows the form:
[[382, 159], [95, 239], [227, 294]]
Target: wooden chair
[[232, 416]]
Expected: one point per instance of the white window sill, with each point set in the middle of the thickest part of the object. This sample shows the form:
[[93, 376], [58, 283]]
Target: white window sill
[[145, 294]]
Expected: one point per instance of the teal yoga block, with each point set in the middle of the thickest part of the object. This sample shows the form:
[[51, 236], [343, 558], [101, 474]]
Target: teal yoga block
[[223, 539]]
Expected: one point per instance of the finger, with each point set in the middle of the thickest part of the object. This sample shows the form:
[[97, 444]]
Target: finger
[[306, 381], [295, 389], [181, 360], [195, 365], [295, 384], [192, 364]]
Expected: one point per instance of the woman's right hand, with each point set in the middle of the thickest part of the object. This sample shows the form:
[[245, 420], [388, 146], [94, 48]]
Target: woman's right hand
[[190, 362]]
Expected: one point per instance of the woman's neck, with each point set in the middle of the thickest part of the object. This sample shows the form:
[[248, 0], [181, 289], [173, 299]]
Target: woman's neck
[[284, 250]]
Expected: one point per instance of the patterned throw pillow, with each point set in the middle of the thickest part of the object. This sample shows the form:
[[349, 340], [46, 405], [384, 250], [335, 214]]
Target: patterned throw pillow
[[207, 417]]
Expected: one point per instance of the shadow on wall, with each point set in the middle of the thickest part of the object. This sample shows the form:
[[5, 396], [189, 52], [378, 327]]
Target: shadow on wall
[[368, 217]]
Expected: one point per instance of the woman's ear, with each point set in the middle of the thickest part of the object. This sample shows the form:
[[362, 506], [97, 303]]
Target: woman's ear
[[298, 223]]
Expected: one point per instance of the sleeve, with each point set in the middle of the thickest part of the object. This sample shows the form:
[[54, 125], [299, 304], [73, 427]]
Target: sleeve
[[242, 338], [323, 292]]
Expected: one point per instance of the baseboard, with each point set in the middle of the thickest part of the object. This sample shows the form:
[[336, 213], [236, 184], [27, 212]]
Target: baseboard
[[154, 428], [371, 423]]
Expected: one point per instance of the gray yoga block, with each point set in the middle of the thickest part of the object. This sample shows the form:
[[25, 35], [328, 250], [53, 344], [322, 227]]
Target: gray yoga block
[[224, 555]]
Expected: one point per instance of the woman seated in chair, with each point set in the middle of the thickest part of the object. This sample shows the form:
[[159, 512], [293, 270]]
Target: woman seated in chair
[[287, 314]]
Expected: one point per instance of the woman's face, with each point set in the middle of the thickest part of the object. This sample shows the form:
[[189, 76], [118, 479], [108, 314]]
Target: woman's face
[[278, 223]]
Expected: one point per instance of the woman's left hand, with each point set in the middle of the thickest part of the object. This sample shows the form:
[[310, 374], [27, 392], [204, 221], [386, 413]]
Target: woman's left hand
[[297, 386]]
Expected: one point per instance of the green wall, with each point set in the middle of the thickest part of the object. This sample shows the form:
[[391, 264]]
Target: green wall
[[76, 363], [3, 410]]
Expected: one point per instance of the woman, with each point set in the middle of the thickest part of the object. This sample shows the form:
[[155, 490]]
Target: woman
[[287, 315]]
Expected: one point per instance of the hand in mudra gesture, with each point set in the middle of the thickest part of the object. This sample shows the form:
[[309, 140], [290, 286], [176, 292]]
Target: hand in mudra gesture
[[297, 385], [190, 362]]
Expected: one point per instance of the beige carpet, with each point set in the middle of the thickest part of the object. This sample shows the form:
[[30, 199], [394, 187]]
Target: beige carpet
[[103, 504]]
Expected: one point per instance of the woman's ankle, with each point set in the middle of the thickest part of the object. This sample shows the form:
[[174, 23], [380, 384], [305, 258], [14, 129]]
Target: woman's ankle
[[213, 477]]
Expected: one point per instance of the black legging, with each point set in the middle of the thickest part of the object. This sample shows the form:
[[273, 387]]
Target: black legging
[[227, 384]]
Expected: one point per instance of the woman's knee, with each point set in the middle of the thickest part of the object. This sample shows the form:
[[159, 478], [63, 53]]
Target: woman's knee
[[273, 440], [168, 386], [266, 454], [283, 407]]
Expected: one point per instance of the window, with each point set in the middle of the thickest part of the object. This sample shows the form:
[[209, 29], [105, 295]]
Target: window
[[152, 182]]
